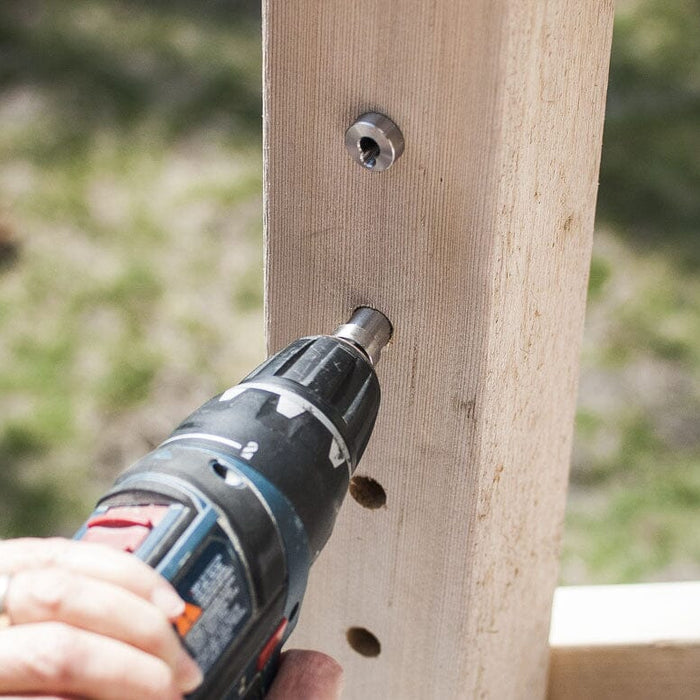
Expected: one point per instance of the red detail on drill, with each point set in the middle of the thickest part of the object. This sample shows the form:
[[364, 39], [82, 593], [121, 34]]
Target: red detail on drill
[[123, 516], [128, 539], [124, 527], [272, 643]]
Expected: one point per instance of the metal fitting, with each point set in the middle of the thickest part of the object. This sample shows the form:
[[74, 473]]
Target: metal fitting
[[374, 141], [369, 330]]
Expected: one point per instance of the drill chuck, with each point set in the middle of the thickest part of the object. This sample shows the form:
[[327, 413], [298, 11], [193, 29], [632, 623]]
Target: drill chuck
[[246, 491], [369, 330]]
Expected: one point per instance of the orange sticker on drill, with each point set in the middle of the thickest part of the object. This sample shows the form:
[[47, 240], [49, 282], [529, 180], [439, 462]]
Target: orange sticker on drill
[[184, 623]]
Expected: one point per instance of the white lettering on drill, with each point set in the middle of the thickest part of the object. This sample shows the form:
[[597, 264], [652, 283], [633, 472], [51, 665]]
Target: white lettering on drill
[[216, 591], [336, 455], [216, 575], [232, 392], [309, 407], [232, 478], [204, 436], [288, 407], [249, 449]]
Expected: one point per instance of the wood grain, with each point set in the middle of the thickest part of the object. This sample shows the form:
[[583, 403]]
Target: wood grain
[[476, 244], [628, 672], [635, 642]]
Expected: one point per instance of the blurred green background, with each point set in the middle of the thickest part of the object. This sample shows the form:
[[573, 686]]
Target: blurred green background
[[131, 263]]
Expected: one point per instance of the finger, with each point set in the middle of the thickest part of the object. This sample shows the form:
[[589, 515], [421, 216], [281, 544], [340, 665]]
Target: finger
[[56, 595], [55, 659], [95, 560], [36, 696], [307, 675]]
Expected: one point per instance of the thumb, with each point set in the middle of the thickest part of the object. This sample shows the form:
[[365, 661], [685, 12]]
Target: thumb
[[307, 675]]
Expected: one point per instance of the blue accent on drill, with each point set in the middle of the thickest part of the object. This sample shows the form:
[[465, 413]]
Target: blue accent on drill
[[175, 511], [200, 527], [291, 529]]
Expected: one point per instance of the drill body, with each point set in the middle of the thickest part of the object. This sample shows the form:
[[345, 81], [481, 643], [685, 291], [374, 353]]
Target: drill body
[[236, 504]]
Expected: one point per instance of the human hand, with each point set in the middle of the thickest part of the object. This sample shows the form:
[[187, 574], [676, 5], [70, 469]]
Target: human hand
[[307, 675], [90, 621]]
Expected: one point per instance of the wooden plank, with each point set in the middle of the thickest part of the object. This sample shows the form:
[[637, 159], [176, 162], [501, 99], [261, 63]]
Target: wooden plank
[[476, 244], [637, 642]]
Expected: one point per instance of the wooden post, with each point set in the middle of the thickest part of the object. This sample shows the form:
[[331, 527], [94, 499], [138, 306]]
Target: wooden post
[[476, 244]]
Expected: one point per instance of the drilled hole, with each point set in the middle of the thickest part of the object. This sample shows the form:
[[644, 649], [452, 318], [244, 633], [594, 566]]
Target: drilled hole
[[367, 492], [369, 151], [363, 641]]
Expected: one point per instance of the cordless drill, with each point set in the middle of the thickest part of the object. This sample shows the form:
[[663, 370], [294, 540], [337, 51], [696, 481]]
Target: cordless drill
[[237, 503]]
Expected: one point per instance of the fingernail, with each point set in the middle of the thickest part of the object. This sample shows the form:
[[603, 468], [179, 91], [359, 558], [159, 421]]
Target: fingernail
[[168, 602], [189, 675]]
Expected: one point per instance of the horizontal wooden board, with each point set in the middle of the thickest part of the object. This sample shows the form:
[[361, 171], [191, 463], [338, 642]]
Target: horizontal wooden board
[[637, 642]]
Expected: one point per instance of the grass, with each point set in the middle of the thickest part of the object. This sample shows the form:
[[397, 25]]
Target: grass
[[130, 184], [634, 496], [131, 263]]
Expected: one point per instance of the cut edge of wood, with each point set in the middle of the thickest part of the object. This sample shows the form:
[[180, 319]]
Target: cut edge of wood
[[632, 614]]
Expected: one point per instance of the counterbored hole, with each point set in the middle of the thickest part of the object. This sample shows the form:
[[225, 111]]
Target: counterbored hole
[[363, 641], [369, 151], [367, 492]]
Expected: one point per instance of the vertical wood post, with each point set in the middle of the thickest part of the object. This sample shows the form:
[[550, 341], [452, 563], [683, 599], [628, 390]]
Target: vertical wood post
[[476, 244]]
